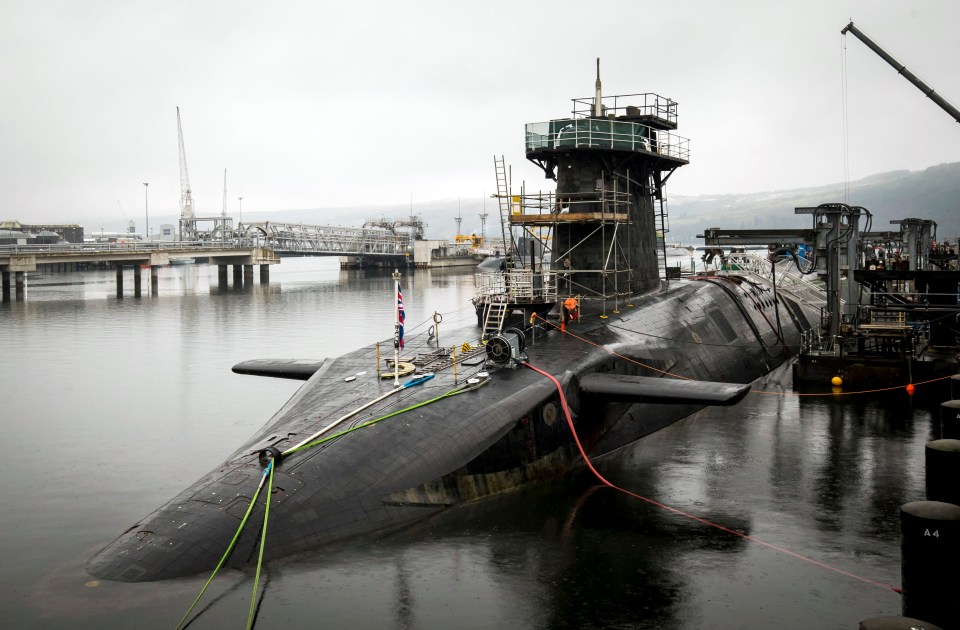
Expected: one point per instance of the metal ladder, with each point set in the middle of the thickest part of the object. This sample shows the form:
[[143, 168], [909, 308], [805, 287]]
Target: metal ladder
[[495, 315], [503, 198]]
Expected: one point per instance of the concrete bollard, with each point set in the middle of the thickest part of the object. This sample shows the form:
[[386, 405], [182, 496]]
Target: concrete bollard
[[930, 549], [943, 470], [950, 420], [895, 623]]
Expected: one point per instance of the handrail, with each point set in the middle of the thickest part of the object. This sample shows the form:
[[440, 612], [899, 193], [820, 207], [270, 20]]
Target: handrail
[[605, 134]]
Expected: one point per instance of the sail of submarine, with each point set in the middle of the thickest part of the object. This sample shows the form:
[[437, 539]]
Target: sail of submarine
[[643, 354]]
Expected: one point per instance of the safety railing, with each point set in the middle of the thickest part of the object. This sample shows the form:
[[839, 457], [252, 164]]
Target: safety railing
[[605, 134], [648, 105], [518, 286]]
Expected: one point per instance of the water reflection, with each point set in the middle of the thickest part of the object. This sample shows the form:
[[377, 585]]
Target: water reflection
[[113, 406]]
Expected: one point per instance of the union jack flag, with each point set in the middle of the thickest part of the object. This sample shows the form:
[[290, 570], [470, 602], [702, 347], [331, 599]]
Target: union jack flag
[[400, 316]]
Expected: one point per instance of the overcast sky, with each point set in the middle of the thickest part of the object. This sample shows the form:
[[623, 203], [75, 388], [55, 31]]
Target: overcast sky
[[320, 104]]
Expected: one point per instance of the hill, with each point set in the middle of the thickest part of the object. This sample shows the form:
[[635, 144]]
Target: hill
[[932, 193]]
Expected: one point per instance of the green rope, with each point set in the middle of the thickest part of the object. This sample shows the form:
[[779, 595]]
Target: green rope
[[266, 516], [452, 392], [263, 540], [233, 542]]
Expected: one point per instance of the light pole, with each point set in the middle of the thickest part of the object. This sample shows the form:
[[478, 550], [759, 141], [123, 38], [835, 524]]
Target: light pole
[[146, 209], [240, 220]]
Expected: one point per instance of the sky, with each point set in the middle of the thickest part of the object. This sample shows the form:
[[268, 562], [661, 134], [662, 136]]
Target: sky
[[312, 104]]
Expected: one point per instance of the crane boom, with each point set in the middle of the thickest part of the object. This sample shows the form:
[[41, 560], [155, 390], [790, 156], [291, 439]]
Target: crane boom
[[188, 226], [899, 67]]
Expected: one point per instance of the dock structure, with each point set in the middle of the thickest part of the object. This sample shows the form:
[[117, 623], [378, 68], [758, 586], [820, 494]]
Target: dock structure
[[17, 260], [890, 300]]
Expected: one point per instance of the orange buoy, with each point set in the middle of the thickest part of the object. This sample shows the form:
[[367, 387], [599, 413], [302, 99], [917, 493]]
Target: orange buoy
[[911, 389], [836, 381]]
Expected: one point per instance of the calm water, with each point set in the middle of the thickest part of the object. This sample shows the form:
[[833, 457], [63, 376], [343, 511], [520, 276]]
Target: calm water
[[110, 407]]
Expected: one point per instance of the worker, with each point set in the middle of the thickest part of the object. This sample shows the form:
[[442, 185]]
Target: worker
[[570, 308]]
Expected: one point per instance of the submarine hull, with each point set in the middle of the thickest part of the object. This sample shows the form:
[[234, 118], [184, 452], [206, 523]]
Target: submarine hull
[[449, 445]]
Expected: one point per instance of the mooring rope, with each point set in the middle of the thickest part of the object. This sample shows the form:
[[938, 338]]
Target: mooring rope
[[236, 536], [263, 541], [268, 475]]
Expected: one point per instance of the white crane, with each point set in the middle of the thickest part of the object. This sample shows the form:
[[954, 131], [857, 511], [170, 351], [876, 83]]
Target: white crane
[[188, 227]]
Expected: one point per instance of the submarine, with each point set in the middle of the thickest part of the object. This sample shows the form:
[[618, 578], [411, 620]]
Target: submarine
[[579, 348]]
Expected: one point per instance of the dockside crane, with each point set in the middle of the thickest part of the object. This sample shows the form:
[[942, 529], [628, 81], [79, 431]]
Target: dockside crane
[[188, 226], [900, 68]]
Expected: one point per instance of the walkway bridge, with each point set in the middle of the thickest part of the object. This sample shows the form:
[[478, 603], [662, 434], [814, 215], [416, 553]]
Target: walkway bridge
[[298, 239]]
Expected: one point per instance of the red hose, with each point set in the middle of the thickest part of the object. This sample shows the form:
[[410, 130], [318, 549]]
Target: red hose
[[583, 454]]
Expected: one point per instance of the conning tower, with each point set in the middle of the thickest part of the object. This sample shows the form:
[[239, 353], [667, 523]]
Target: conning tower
[[610, 160]]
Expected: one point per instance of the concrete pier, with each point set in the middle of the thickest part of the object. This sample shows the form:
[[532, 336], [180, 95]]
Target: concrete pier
[[222, 276], [19, 262], [264, 274]]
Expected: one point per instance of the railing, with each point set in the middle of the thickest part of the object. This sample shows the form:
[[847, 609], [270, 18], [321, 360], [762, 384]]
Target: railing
[[602, 201], [648, 104], [326, 239], [140, 246], [788, 278], [518, 286], [605, 134]]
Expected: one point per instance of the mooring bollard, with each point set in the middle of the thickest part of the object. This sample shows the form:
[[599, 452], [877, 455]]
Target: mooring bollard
[[950, 420], [929, 551], [896, 623], [943, 470]]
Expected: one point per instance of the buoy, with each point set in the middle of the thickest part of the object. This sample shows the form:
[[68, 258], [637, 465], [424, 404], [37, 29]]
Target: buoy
[[895, 623], [836, 381], [911, 389]]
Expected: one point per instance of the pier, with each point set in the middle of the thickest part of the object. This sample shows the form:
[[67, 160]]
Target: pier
[[17, 260]]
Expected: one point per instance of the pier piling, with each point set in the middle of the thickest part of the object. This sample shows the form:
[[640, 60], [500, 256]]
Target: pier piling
[[222, 276], [950, 420], [137, 281], [154, 280], [930, 548], [248, 275], [119, 282], [6, 285], [237, 276], [264, 274], [943, 469]]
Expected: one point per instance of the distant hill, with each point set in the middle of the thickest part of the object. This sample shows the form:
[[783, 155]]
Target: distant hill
[[933, 193]]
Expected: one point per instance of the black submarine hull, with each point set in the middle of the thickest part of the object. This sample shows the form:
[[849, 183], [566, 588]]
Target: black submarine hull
[[508, 431]]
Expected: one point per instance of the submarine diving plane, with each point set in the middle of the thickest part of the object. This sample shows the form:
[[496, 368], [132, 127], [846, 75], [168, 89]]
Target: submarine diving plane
[[352, 454]]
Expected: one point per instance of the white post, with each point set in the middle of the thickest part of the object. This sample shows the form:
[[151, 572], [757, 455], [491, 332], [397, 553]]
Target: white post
[[396, 330], [146, 210]]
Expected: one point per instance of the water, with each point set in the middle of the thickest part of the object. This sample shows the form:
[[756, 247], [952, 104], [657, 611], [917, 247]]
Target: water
[[110, 407]]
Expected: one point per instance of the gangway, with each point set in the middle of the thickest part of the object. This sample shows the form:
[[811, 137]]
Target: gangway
[[326, 240]]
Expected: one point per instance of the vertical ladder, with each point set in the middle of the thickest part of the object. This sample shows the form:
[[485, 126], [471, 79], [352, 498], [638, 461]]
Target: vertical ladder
[[503, 197], [661, 223], [496, 313]]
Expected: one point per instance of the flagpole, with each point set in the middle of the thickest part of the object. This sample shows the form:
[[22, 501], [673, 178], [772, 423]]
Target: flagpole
[[396, 329]]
